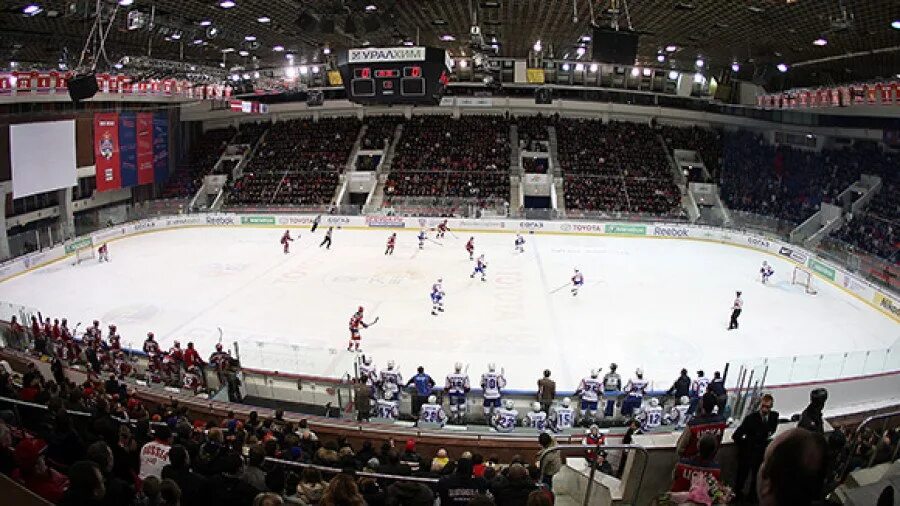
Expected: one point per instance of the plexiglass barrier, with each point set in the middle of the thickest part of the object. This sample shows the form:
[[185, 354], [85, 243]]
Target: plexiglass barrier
[[306, 359]]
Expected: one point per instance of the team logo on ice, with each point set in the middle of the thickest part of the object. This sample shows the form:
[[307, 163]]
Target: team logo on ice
[[106, 146]]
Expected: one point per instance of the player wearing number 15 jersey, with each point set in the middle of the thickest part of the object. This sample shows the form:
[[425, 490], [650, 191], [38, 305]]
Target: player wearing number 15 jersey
[[562, 417]]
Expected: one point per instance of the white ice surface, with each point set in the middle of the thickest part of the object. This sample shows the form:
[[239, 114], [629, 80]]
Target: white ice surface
[[656, 304]]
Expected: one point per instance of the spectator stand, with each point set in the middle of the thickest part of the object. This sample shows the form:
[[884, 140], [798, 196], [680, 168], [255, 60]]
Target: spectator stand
[[187, 178]]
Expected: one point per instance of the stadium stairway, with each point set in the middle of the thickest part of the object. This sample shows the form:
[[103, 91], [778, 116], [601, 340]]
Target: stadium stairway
[[514, 156], [554, 151], [377, 197]]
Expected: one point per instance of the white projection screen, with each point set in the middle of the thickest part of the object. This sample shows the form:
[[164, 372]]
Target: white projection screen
[[42, 156]]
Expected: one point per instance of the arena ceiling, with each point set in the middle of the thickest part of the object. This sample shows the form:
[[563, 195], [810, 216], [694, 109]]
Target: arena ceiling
[[756, 34]]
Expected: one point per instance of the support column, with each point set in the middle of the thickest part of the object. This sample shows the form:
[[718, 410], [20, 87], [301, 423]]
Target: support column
[[4, 238], [66, 214]]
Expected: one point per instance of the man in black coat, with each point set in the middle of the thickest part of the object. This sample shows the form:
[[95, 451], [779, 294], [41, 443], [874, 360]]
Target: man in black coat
[[682, 385], [811, 418], [751, 438]]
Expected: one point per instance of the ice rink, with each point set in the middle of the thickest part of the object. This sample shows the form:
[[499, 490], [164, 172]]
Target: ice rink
[[656, 304]]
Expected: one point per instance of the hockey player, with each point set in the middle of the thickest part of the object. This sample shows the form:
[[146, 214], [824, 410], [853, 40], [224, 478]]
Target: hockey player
[[457, 386], [437, 297], [765, 272], [651, 416], [612, 386], [390, 382], [577, 282], [491, 384], [355, 322], [536, 419], [634, 392], [421, 237], [151, 348], [506, 418], [103, 253], [286, 241], [92, 334], [736, 309], [315, 224], [470, 247], [589, 390], [441, 229], [387, 409], [115, 340], [678, 415], [191, 379], [480, 266], [520, 243], [219, 360], [392, 240], [698, 388], [327, 240], [562, 417], [176, 353], [432, 412], [367, 372]]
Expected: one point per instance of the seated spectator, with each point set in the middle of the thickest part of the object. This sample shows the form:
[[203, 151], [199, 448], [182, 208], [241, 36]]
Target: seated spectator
[[193, 486], [794, 469], [32, 471], [703, 463], [513, 487], [707, 421], [155, 454], [312, 486], [86, 486], [458, 489], [118, 491], [342, 491], [169, 493], [409, 493]]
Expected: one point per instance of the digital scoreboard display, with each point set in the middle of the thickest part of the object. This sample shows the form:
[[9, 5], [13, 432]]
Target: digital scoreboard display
[[403, 75]]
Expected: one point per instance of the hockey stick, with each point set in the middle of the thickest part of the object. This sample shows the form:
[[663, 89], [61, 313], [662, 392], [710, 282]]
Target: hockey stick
[[559, 288], [374, 321], [432, 240], [451, 233]]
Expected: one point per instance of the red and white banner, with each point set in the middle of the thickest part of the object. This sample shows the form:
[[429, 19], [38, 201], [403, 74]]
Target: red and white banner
[[881, 93]]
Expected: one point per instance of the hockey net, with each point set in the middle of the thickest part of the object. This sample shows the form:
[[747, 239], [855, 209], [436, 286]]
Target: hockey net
[[804, 278], [83, 250]]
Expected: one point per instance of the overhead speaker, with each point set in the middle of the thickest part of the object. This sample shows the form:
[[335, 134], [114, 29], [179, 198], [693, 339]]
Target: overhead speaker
[[82, 87], [315, 98], [543, 96], [371, 23], [307, 21], [614, 46]]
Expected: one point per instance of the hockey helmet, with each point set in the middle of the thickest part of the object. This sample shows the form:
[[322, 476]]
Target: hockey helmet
[[700, 373], [594, 428], [536, 406], [566, 402], [684, 400], [390, 364], [149, 335], [654, 402], [177, 344], [639, 372], [360, 310], [112, 326], [594, 373], [508, 403], [613, 366], [457, 366], [96, 322], [218, 346], [432, 399], [492, 367], [367, 360]]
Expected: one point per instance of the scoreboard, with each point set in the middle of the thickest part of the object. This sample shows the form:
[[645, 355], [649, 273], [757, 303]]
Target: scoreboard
[[395, 75]]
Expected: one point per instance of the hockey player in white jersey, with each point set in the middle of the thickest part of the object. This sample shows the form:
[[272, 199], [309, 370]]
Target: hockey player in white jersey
[[698, 388], [651, 416], [390, 382], [506, 418], [480, 267], [520, 243], [536, 419], [432, 412], [421, 237], [456, 387], [562, 417], [577, 282], [612, 386], [589, 389], [367, 371], [491, 384], [389, 410], [765, 272], [437, 297], [678, 415], [634, 392]]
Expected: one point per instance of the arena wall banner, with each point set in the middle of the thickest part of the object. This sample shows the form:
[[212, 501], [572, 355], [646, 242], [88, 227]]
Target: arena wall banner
[[106, 151], [160, 147], [145, 147], [625, 229], [258, 220], [128, 149], [822, 269]]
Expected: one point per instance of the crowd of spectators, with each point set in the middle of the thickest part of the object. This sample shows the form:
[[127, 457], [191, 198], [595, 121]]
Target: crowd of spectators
[[439, 156], [298, 163], [615, 166], [535, 165], [707, 142], [187, 179], [533, 131], [380, 131], [249, 133]]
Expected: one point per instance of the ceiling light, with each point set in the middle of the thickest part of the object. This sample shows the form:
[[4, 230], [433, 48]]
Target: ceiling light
[[315, 70], [125, 3], [660, 58], [565, 67], [585, 38], [463, 64], [227, 4], [243, 53], [235, 77], [371, 8], [290, 72], [698, 78], [407, 42], [289, 56], [671, 48], [278, 49], [537, 46], [594, 67], [304, 70], [735, 67], [32, 10], [895, 24], [580, 51], [782, 67], [246, 76], [327, 50], [447, 37], [700, 63], [250, 38], [647, 72], [263, 19], [176, 36], [228, 50], [820, 42], [635, 71], [579, 67], [205, 22], [673, 75], [118, 65], [212, 32]]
